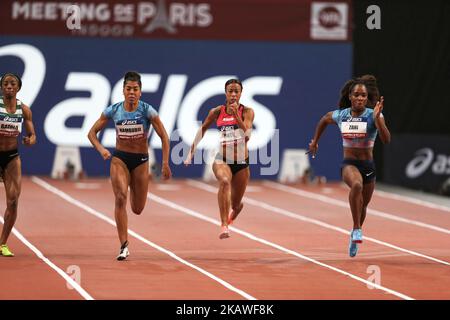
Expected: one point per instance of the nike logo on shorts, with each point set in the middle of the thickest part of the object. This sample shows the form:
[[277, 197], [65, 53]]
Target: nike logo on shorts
[[368, 174], [144, 159]]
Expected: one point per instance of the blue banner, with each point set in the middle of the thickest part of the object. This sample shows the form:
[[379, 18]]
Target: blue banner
[[68, 83]]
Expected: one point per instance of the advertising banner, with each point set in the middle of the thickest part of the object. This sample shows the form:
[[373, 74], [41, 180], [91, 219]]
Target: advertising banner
[[418, 161], [69, 82], [267, 20]]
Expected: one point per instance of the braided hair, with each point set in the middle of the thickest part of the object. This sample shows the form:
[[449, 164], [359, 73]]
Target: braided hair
[[367, 80]]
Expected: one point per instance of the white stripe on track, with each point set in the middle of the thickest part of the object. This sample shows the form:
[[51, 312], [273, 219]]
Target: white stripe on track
[[41, 256], [412, 200], [200, 216], [298, 216], [311, 195], [103, 217]]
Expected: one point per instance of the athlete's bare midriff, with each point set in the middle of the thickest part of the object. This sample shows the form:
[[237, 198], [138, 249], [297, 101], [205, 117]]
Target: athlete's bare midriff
[[139, 145], [358, 153], [8, 143]]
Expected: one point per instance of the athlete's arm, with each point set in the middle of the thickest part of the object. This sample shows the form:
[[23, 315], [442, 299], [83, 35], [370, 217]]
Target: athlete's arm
[[162, 133], [99, 125], [384, 133], [323, 123], [30, 138], [249, 116], [212, 116]]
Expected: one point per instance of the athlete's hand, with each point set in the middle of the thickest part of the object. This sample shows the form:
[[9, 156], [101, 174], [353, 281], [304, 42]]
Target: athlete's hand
[[234, 108], [378, 108], [166, 173], [313, 146], [105, 154], [29, 140], [188, 160]]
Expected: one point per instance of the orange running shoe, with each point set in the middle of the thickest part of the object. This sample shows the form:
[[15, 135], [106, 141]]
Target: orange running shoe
[[233, 214]]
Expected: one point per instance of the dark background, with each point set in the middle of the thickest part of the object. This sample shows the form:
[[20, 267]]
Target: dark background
[[410, 56]]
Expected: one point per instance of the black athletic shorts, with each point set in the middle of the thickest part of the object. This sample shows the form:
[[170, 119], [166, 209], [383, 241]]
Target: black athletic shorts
[[235, 166], [6, 157], [365, 167], [132, 160]]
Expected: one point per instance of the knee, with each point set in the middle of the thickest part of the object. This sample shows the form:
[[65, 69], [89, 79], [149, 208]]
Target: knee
[[224, 182], [357, 186], [12, 204], [121, 199]]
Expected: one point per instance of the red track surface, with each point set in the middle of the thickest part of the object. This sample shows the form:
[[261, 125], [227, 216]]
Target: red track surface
[[68, 235]]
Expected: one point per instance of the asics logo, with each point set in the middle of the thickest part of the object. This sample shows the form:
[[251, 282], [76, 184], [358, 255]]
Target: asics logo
[[417, 166], [10, 119], [129, 122]]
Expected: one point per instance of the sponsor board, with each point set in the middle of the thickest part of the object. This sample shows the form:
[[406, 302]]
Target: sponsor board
[[289, 86], [418, 161], [273, 20]]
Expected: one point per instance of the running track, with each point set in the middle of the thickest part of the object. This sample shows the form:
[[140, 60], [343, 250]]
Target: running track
[[289, 242]]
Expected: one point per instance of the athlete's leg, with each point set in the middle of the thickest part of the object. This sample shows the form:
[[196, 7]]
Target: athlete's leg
[[367, 196], [120, 178], [239, 183], [223, 174], [139, 187], [12, 178], [352, 177]]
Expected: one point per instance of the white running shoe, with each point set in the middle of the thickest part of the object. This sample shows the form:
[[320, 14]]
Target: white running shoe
[[224, 233], [124, 252]]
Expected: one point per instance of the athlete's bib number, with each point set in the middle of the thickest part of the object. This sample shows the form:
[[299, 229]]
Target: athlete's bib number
[[354, 129], [10, 129], [130, 129], [232, 136]]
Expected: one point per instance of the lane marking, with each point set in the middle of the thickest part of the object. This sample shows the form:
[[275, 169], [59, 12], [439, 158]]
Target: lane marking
[[168, 187], [105, 218], [423, 203], [87, 185], [41, 256], [332, 201], [200, 216], [298, 216]]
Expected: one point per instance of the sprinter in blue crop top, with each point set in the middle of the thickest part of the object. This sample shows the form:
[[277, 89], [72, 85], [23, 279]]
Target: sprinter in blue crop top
[[359, 126], [129, 164]]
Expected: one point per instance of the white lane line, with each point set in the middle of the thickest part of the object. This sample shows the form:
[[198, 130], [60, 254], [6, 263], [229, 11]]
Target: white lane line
[[200, 216], [311, 195], [87, 186], [105, 218], [41, 256], [168, 187], [412, 200], [304, 218]]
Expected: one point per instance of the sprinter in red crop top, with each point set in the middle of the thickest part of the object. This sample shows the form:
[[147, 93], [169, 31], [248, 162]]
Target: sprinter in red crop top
[[231, 165]]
